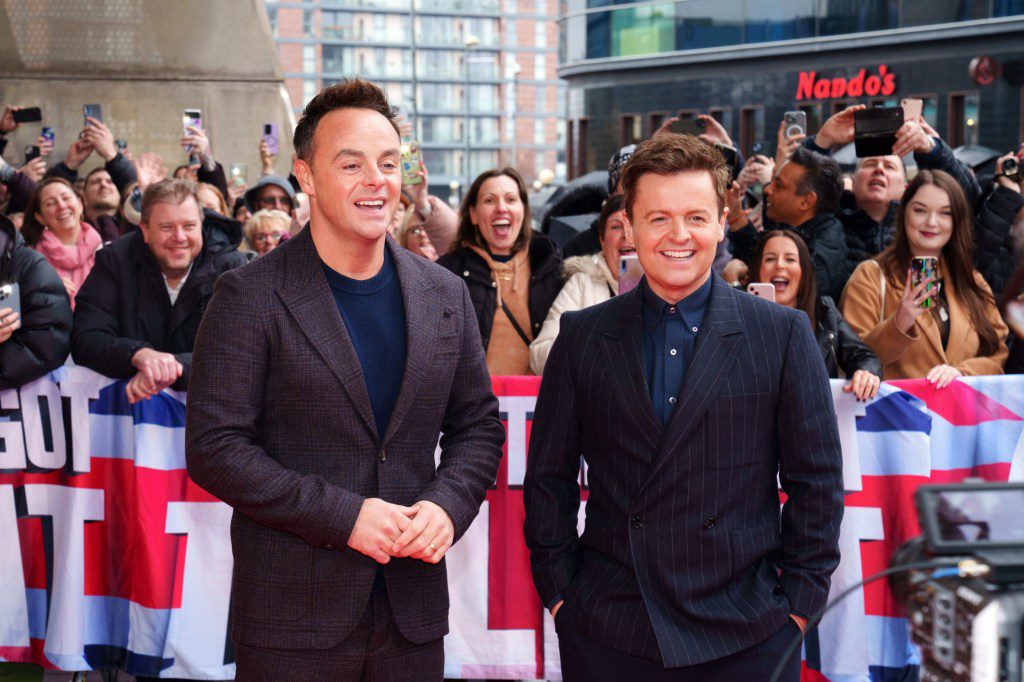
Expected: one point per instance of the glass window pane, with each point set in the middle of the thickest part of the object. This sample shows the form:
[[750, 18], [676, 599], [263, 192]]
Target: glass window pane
[[779, 20], [643, 30], [707, 23], [971, 125], [942, 11], [856, 17]]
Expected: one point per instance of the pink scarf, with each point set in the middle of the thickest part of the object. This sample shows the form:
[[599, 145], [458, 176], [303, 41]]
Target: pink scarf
[[73, 262]]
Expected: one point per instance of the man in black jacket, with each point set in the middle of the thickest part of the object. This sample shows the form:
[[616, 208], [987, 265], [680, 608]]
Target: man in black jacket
[[137, 314], [996, 252], [804, 194], [38, 340]]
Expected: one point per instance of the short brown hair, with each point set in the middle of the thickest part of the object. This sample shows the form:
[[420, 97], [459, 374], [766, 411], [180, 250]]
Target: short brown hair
[[668, 154], [171, 191], [470, 233], [348, 94]]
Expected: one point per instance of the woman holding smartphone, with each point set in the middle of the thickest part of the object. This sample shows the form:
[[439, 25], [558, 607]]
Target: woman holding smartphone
[[781, 259], [939, 327]]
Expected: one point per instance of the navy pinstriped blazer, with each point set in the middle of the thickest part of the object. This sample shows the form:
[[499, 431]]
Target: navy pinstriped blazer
[[684, 557]]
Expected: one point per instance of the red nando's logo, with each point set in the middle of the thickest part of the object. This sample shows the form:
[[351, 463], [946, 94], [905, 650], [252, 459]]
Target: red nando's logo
[[864, 83]]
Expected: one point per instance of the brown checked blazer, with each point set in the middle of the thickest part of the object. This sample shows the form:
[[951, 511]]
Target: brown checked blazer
[[279, 426]]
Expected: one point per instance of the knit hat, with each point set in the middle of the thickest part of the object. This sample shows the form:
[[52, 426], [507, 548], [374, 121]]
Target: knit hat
[[253, 192], [615, 165]]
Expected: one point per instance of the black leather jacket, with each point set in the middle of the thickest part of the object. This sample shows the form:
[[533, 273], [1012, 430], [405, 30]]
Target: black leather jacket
[[840, 346]]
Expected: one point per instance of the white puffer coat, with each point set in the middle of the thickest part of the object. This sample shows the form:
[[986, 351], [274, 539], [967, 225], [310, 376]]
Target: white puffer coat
[[588, 282]]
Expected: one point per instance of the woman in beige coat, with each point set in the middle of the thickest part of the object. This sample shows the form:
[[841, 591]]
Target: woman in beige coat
[[963, 334]]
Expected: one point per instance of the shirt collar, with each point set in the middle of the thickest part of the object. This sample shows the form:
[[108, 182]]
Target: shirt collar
[[691, 308]]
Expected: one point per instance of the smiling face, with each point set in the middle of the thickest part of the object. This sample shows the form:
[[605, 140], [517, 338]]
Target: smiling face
[[879, 180], [928, 220], [101, 192], [60, 209], [676, 225], [498, 214], [354, 179], [614, 243], [174, 234], [780, 265]]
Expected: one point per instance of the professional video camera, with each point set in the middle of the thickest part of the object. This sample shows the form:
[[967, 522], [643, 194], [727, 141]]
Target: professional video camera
[[963, 581]]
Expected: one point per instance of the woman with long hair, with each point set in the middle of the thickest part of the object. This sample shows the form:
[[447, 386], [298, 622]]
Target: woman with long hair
[[783, 259], [959, 332], [54, 227], [513, 273]]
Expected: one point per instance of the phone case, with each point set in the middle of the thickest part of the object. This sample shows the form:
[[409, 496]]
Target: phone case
[[411, 164], [874, 130], [923, 269], [10, 297]]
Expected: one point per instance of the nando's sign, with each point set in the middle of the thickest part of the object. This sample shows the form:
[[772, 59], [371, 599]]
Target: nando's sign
[[867, 83]]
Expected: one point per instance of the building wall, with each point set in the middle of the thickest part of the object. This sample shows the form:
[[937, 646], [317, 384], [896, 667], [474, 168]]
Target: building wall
[[320, 43]]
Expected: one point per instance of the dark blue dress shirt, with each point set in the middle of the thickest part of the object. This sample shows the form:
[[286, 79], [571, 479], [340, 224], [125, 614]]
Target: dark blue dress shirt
[[670, 335]]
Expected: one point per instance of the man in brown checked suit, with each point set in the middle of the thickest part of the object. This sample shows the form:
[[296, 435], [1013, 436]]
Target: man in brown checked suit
[[322, 376]]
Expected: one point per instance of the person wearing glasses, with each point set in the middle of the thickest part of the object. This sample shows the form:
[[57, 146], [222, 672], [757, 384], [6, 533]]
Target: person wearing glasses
[[266, 229], [272, 192]]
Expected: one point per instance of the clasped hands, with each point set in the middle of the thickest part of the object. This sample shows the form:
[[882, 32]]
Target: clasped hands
[[157, 371], [383, 530]]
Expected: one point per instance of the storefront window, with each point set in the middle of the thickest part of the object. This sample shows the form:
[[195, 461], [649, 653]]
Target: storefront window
[[779, 20], [630, 130], [963, 119]]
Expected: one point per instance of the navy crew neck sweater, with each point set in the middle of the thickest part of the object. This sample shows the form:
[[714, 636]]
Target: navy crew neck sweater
[[374, 315]]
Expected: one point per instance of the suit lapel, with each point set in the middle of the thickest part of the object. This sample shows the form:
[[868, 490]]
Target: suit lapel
[[624, 339], [713, 356], [422, 315], [308, 298]]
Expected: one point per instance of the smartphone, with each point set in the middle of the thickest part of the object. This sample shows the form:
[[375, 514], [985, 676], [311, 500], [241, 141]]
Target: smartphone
[[48, 134], [732, 158], [191, 118], [31, 153], [239, 173], [630, 272], [91, 111], [28, 115], [1015, 317], [411, 163], [923, 269], [10, 297], [795, 123], [688, 126], [765, 290], [912, 108], [270, 136], [753, 200], [874, 130]]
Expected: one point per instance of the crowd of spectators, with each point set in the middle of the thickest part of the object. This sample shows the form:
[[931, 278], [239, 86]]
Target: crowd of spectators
[[115, 268]]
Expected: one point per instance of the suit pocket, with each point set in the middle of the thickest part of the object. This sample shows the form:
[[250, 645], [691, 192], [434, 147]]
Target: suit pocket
[[435, 593], [732, 433], [753, 556], [272, 576]]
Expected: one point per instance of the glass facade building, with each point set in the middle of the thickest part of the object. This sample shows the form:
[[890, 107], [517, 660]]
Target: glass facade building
[[631, 65], [473, 77]]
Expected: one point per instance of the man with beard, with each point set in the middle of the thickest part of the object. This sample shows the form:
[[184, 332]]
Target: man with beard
[[101, 199]]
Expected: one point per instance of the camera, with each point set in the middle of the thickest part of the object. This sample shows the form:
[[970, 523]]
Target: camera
[[966, 620], [1011, 169]]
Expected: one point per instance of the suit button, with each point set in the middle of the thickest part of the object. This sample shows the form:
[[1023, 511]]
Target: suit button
[[709, 522], [465, 273], [637, 522], [328, 546], [383, 454]]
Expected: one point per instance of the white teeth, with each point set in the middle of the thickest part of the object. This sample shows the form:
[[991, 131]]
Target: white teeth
[[374, 204], [678, 254], [501, 223]]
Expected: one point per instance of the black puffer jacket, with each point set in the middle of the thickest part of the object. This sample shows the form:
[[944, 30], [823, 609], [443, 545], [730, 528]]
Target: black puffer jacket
[[993, 248], [829, 255], [123, 305], [865, 237], [840, 346], [44, 339], [545, 282]]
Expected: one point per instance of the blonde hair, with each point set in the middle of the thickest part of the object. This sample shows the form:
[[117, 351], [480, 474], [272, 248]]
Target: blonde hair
[[265, 217]]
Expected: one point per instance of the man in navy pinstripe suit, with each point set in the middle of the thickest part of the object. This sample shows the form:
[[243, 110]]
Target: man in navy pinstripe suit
[[689, 400]]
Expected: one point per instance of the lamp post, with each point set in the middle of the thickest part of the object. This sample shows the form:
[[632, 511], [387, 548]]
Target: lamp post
[[470, 42], [512, 69]]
